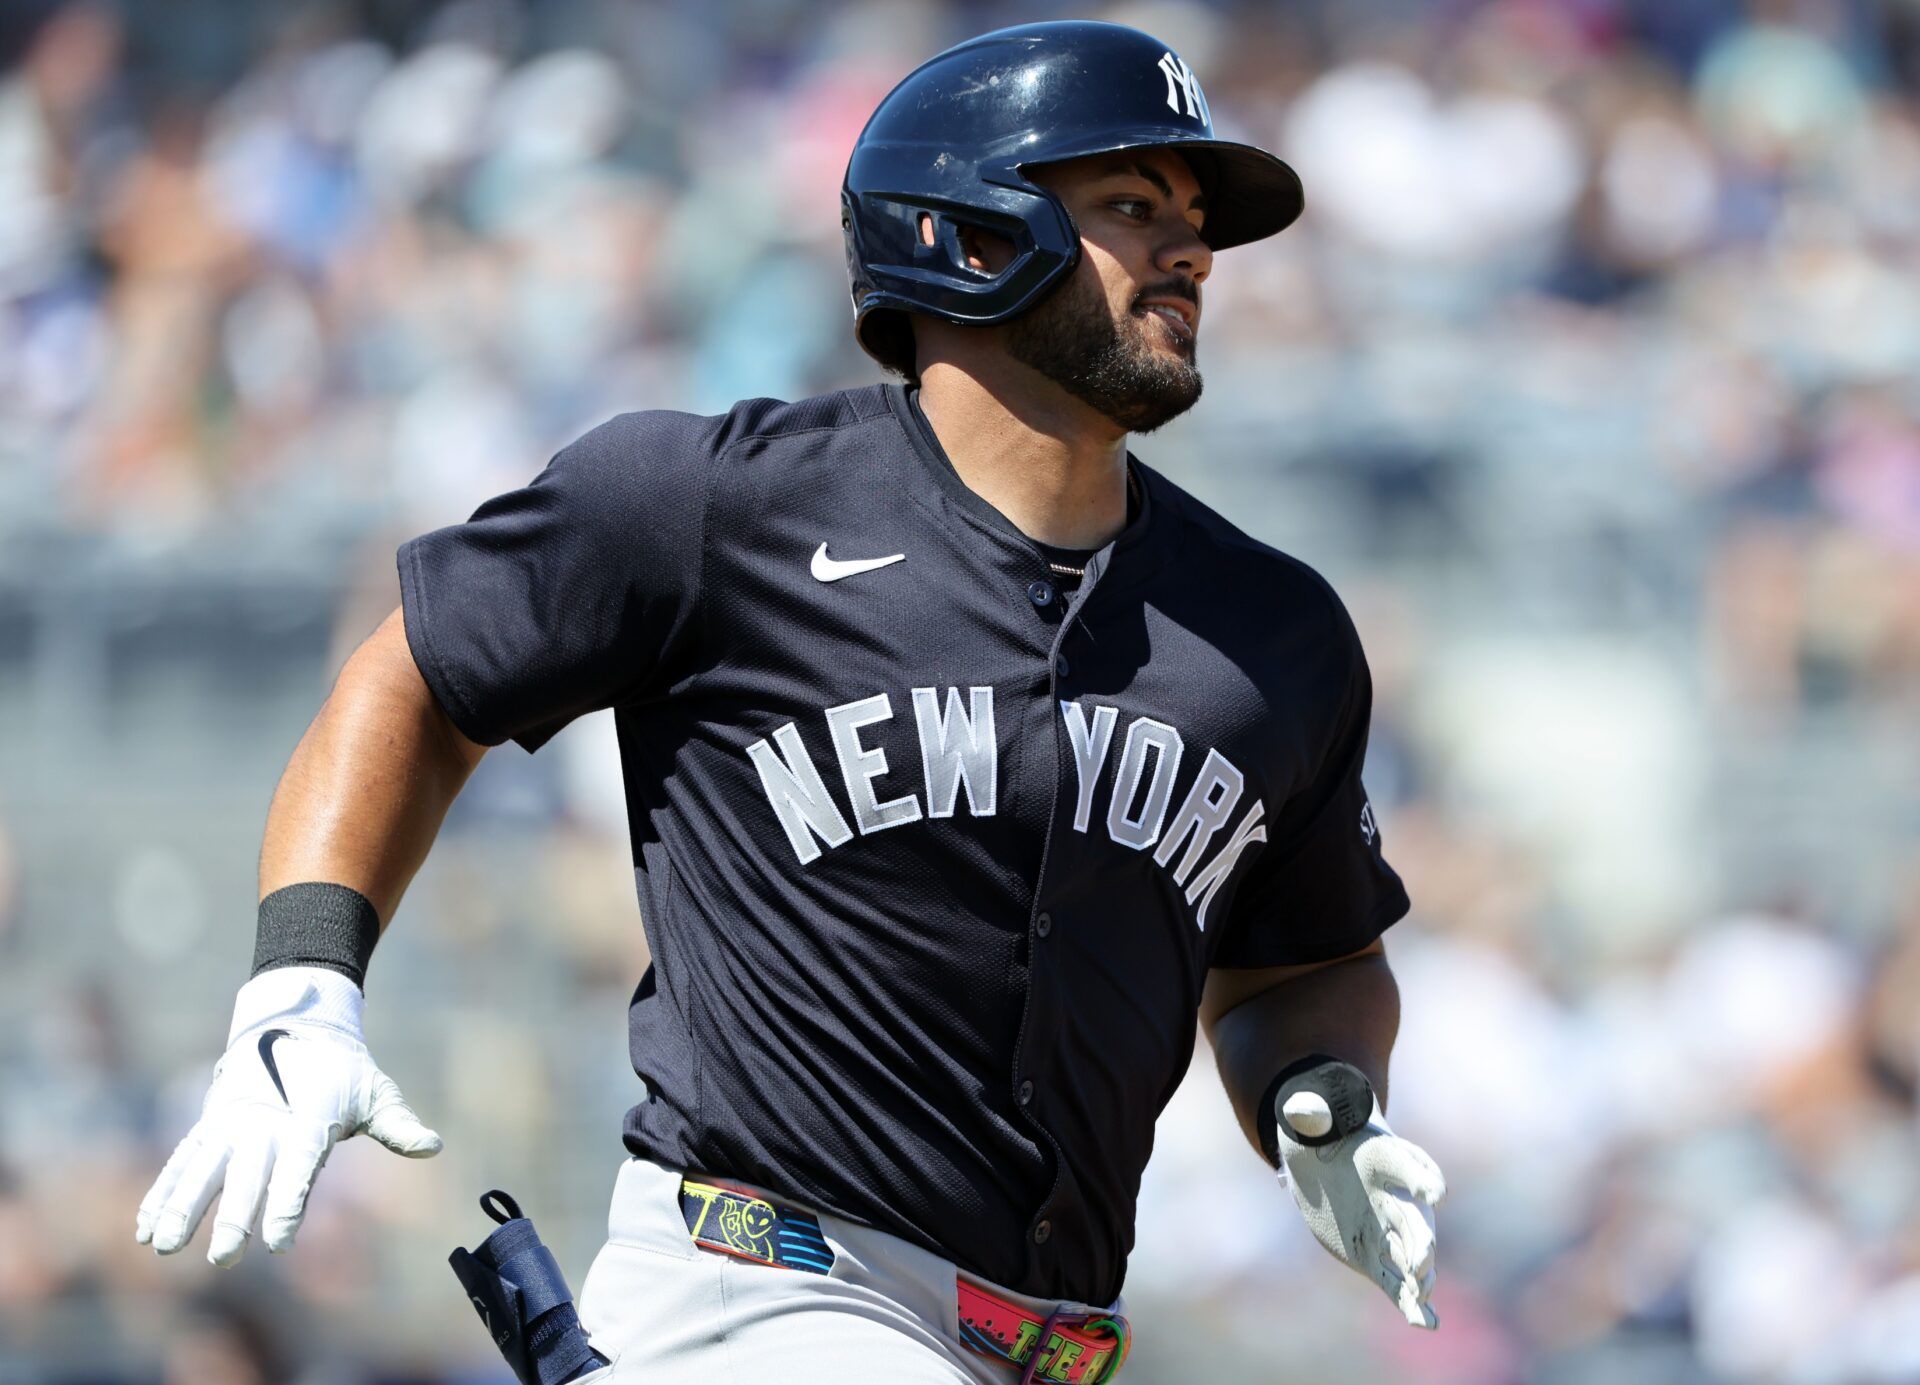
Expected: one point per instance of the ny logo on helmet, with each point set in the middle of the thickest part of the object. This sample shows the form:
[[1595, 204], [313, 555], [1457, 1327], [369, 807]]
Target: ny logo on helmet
[[1181, 83]]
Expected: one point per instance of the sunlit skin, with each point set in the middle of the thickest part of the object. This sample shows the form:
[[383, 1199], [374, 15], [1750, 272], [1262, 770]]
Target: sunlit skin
[[1050, 461]]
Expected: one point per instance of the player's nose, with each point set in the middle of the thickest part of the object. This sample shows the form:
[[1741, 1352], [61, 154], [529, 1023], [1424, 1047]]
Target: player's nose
[[1184, 253]]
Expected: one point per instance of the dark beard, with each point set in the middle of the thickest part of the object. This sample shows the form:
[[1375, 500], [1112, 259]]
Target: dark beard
[[1073, 340]]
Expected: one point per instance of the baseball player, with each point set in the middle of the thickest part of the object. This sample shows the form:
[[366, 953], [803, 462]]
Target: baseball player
[[968, 761]]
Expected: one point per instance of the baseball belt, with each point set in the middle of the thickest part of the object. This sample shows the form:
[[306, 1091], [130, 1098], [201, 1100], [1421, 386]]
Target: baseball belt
[[1062, 1347]]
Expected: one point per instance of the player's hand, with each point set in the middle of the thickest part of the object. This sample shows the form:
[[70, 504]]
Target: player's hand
[[1367, 1194], [295, 1078]]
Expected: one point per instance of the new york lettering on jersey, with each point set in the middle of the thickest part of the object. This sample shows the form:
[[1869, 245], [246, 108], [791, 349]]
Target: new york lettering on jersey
[[958, 751]]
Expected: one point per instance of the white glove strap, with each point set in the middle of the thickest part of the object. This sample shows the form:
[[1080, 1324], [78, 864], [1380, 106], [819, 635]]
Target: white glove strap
[[312, 995]]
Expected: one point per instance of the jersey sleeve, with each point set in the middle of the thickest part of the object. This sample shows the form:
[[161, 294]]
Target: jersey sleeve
[[1322, 888], [574, 593]]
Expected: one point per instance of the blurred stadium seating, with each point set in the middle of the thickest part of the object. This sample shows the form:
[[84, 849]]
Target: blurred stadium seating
[[1591, 379]]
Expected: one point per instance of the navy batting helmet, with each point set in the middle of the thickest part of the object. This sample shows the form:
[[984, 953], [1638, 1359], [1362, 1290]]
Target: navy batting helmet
[[953, 140]]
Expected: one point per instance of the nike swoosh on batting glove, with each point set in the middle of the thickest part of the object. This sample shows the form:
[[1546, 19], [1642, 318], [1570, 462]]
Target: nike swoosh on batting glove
[[1367, 1194], [296, 1078]]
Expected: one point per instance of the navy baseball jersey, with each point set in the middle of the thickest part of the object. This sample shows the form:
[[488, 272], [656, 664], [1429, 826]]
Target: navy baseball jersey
[[934, 847]]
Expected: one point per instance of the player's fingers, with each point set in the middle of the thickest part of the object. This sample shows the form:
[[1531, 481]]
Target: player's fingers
[[393, 1123], [1407, 1295], [1429, 1184], [163, 1186], [1396, 1163], [1409, 1254], [240, 1203], [1412, 1228], [1415, 1292], [296, 1164], [187, 1201], [1417, 1311], [1387, 1275]]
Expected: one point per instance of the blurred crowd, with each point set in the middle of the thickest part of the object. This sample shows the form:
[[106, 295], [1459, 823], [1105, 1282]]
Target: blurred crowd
[[1591, 378]]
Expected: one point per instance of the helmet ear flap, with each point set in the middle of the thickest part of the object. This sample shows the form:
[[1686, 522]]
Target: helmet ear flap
[[891, 264], [939, 247]]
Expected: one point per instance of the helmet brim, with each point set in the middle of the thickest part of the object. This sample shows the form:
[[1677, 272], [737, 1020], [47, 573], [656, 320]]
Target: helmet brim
[[1250, 193]]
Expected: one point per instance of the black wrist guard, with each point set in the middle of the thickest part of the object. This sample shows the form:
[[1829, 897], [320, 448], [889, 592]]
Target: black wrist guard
[[317, 925], [1341, 1085]]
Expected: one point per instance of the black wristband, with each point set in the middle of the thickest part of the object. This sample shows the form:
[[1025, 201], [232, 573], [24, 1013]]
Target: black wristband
[[1345, 1089], [317, 925]]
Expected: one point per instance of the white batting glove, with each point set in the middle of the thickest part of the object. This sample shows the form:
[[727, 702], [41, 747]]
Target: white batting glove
[[295, 1078], [1367, 1194]]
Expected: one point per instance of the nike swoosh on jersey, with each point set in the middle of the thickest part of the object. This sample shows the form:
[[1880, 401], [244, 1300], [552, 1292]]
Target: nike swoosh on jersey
[[273, 1069], [826, 569]]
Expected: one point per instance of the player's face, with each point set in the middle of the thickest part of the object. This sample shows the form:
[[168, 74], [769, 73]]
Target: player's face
[[1121, 331]]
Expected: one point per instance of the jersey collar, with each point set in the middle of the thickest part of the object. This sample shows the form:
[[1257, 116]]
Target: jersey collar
[[1144, 533]]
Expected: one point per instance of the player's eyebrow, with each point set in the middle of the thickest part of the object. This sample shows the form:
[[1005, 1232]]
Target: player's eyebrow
[[1153, 175]]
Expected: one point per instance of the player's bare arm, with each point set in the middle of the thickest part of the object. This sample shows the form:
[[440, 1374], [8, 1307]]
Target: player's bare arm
[[370, 782]]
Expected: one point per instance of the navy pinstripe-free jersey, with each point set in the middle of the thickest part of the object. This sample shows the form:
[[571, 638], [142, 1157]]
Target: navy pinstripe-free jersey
[[933, 855]]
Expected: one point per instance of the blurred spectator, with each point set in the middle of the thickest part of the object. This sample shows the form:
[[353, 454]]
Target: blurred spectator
[[218, 1340]]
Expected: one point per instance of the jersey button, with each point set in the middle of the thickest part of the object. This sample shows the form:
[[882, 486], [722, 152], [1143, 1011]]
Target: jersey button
[[1041, 1232], [1040, 592], [1043, 925], [1026, 1092], [1060, 664]]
